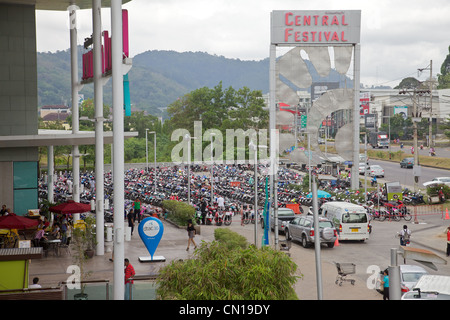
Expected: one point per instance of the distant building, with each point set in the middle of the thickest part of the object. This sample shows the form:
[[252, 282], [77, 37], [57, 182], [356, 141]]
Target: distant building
[[61, 112]]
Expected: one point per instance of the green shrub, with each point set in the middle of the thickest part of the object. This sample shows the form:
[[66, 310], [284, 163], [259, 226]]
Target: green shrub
[[433, 190], [219, 273], [230, 238], [178, 212]]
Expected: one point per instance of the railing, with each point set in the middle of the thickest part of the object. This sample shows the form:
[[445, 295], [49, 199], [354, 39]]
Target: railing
[[50, 293], [107, 284]]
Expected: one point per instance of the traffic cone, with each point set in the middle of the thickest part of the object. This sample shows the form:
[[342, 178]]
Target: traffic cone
[[446, 214], [336, 242]]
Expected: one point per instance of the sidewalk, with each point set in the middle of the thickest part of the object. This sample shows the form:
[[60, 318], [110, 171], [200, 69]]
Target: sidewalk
[[51, 270]]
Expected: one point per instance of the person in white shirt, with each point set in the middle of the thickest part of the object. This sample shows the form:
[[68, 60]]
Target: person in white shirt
[[35, 284], [405, 236], [221, 202]]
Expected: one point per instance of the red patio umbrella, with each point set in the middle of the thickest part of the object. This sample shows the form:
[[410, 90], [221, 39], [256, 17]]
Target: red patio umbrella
[[12, 221], [70, 207]]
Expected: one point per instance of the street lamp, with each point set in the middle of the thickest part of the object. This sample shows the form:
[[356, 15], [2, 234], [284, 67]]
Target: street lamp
[[254, 147], [212, 169], [154, 152], [187, 137]]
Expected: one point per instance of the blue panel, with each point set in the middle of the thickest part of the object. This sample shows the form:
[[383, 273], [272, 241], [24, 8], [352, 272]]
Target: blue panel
[[25, 186], [25, 199], [25, 175], [126, 95]]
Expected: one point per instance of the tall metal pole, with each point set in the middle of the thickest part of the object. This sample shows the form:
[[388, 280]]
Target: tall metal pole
[[273, 148], [416, 150], [430, 129], [146, 150], [212, 170], [394, 277], [154, 157], [99, 149], [255, 185], [118, 140], [317, 241], [356, 84], [187, 137]]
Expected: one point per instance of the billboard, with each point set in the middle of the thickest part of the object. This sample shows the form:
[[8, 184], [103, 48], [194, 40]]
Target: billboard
[[295, 27], [364, 100], [403, 110]]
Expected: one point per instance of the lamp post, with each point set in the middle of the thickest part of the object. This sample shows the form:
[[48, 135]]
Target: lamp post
[[254, 147], [154, 152], [187, 137], [212, 169]]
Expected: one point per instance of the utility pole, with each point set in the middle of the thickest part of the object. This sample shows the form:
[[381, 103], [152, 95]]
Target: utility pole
[[430, 120], [416, 117], [430, 129], [416, 150]]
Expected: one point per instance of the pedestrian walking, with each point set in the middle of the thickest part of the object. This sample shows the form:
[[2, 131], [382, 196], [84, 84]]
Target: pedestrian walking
[[129, 274], [191, 234], [137, 209], [203, 206], [385, 283], [405, 236], [131, 218]]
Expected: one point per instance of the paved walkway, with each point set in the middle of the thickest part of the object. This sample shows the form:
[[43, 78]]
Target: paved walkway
[[52, 269]]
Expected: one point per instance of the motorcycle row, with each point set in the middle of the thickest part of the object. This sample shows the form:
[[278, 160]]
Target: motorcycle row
[[233, 183]]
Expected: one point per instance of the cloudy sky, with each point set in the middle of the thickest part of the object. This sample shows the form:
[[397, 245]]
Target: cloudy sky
[[397, 36]]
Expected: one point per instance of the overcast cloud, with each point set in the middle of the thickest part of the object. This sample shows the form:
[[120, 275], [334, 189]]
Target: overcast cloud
[[397, 36]]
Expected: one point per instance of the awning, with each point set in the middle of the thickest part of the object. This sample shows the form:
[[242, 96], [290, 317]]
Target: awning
[[58, 138]]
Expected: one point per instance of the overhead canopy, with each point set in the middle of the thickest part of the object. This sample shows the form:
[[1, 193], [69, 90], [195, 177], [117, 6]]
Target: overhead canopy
[[60, 5], [423, 256], [58, 138]]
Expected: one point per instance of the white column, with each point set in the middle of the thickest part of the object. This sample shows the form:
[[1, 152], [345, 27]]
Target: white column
[[118, 154], [273, 148], [356, 84], [98, 103], [75, 111], [50, 174]]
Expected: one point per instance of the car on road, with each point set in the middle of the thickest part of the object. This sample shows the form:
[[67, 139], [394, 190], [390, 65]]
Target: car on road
[[363, 158], [363, 166], [284, 216], [407, 163], [376, 171], [409, 276], [302, 229], [438, 180]]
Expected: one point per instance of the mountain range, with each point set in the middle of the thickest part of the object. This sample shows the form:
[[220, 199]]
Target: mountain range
[[158, 78]]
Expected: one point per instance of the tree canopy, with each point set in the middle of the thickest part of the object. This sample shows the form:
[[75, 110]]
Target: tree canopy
[[219, 108]]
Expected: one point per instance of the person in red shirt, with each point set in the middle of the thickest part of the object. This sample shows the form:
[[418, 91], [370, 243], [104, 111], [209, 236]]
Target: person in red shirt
[[448, 241], [129, 274]]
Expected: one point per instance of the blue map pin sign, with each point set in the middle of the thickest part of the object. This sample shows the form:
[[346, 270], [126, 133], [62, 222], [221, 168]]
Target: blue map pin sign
[[151, 230]]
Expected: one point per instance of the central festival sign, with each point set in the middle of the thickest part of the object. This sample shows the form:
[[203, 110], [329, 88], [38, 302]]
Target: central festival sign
[[328, 39], [315, 27]]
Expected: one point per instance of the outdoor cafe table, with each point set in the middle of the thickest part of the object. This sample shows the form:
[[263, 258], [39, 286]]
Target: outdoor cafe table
[[52, 245]]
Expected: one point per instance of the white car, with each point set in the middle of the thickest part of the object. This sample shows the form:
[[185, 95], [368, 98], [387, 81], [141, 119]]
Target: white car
[[376, 171], [409, 276], [362, 166], [438, 180]]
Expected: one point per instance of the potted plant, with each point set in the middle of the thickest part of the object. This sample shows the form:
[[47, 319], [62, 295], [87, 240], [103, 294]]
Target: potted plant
[[83, 249]]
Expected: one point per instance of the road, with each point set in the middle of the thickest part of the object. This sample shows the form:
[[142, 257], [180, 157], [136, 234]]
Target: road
[[393, 172]]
